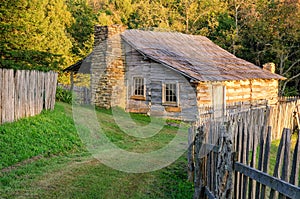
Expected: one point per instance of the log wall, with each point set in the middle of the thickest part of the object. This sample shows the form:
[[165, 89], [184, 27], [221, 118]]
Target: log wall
[[240, 91], [155, 75], [265, 89], [237, 91]]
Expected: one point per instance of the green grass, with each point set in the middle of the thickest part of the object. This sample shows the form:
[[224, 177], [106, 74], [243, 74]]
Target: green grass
[[66, 170], [50, 133], [273, 154], [274, 150], [131, 143], [80, 176]]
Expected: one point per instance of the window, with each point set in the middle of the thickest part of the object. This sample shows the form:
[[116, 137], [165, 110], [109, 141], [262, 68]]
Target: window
[[170, 94], [138, 86]]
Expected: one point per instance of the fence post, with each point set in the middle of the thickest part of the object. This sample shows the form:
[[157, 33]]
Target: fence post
[[296, 162], [198, 181], [72, 81], [225, 165], [191, 136], [286, 159]]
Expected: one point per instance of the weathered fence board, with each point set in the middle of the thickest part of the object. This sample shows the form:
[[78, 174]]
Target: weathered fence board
[[199, 170], [23, 93], [53, 92], [190, 155], [296, 162], [278, 160], [266, 159], [251, 142], [281, 186], [281, 114], [224, 165], [244, 151], [260, 160], [286, 159], [209, 194], [7, 96]]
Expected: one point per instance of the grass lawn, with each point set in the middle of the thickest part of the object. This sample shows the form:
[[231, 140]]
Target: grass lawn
[[43, 157]]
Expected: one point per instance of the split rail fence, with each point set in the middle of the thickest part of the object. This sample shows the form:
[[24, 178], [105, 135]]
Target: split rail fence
[[25, 93], [230, 158]]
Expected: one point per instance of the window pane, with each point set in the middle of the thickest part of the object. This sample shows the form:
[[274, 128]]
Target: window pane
[[170, 93], [138, 86]]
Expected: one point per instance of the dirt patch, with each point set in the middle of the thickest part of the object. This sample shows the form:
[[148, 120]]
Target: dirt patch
[[22, 163], [54, 179]]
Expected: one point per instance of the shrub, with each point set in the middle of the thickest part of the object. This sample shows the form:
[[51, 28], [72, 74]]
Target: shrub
[[63, 95]]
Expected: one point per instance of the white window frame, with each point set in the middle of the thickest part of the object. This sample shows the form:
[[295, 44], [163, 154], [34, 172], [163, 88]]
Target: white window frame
[[164, 102], [134, 86]]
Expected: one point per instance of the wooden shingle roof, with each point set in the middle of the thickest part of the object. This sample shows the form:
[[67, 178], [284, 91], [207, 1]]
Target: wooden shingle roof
[[194, 56]]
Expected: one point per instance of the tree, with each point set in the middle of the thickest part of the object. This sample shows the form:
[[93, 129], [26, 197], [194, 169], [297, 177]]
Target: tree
[[271, 34], [82, 29], [33, 34], [149, 14]]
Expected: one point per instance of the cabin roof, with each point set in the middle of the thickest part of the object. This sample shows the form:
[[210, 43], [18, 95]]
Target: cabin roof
[[82, 66], [194, 56]]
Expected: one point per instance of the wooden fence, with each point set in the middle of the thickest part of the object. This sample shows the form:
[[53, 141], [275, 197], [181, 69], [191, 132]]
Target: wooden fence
[[82, 95], [25, 93], [255, 182], [282, 114], [229, 158]]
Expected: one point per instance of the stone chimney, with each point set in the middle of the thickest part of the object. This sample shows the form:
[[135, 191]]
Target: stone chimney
[[269, 67], [102, 33], [108, 67]]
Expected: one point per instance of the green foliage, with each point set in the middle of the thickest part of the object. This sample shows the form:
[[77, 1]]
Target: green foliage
[[291, 91], [63, 95], [29, 59], [33, 34], [50, 133], [82, 29], [224, 32]]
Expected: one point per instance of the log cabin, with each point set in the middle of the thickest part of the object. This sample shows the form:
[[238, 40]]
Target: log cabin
[[170, 74]]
